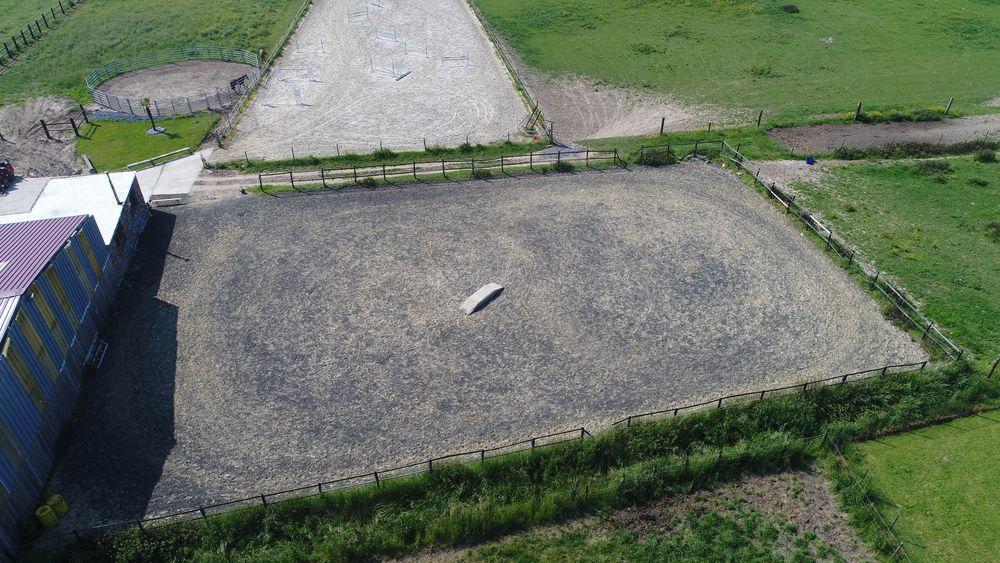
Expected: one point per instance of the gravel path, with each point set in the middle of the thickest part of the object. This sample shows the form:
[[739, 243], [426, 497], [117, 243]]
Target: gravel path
[[821, 138], [269, 343]]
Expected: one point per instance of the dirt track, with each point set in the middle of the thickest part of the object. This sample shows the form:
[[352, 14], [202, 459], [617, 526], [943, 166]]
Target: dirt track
[[821, 138], [186, 79]]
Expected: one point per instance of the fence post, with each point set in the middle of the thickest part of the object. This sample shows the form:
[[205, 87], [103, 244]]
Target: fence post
[[414, 162], [473, 167], [263, 500], [291, 177], [759, 117], [857, 112], [829, 240], [482, 455], [377, 482], [583, 431], [850, 259], [76, 130], [950, 102], [260, 181], [46, 129], [430, 465], [61, 9], [322, 177], [531, 161], [628, 421], [202, 511], [84, 112], [875, 279], [384, 177], [443, 175], [46, 20], [532, 443], [355, 174], [696, 148], [586, 158], [719, 405], [502, 171], [884, 369], [663, 123]]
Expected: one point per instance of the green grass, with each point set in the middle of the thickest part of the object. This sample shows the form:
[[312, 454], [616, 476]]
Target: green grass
[[17, 14], [751, 54], [462, 505], [946, 483], [385, 156], [103, 30], [930, 230], [112, 145]]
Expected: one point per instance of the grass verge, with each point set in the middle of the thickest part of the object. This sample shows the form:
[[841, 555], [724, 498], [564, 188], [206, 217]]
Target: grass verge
[[933, 226], [464, 151], [111, 145], [465, 504]]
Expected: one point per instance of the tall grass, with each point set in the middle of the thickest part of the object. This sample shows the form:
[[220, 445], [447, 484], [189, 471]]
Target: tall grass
[[463, 504]]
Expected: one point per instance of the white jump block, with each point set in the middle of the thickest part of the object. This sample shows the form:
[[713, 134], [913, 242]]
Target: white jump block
[[481, 297]]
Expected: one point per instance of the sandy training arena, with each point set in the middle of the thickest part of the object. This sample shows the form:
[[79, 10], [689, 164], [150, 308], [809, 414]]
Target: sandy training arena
[[397, 72], [271, 343]]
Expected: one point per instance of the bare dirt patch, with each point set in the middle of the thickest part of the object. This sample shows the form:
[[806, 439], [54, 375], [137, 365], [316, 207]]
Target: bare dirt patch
[[800, 498], [392, 73], [31, 153], [827, 137], [180, 80]]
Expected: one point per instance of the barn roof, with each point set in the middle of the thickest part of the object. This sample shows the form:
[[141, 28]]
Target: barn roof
[[25, 249]]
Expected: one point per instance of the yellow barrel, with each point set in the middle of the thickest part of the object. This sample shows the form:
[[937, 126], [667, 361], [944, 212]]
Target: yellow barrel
[[58, 504], [47, 516]]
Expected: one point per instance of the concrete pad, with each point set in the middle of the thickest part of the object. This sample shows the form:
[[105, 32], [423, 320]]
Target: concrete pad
[[171, 179], [22, 195]]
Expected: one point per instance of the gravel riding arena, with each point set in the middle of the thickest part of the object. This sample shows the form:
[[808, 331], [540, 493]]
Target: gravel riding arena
[[356, 75], [271, 342]]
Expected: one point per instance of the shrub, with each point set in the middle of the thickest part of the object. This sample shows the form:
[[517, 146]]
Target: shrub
[[978, 182], [933, 167], [986, 155], [993, 231], [383, 153], [465, 148], [562, 166], [790, 9]]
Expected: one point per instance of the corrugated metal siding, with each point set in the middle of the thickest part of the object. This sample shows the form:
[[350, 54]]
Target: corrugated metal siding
[[77, 298]]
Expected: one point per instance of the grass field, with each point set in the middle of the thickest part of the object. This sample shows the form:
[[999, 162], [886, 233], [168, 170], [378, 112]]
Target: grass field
[[945, 480], [752, 54], [111, 145], [102, 31], [17, 14], [934, 228]]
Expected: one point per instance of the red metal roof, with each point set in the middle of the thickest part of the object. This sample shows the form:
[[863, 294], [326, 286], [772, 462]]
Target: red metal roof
[[26, 248]]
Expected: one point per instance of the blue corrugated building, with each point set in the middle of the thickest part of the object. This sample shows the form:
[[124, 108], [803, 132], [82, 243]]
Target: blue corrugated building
[[58, 279]]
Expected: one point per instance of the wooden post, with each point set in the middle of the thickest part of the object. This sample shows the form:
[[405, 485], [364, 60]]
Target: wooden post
[[586, 158], [384, 178], [355, 174], [443, 175], [83, 111], [531, 161], [950, 102], [473, 167], [46, 20], [414, 169], [76, 130], [760, 116], [857, 112], [709, 126], [322, 177], [7, 48], [663, 123], [260, 181], [291, 177], [502, 171], [61, 8], [425, 144], [46, 129]]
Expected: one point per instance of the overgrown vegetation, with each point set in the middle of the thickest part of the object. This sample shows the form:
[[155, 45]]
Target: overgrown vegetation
[[915, 150], [753, 142], [111, 145], [458, 505], [927, 225], [752, 53], [744, 535], [101, 31], [383, 156]]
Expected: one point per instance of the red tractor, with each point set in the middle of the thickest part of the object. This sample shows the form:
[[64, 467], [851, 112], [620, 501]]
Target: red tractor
[[6, 175]]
